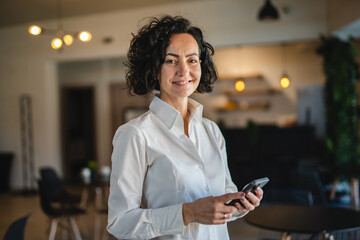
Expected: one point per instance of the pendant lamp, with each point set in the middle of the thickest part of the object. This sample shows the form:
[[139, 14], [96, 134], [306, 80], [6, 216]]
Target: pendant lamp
[[60, 36], [268, 12], [284, 79]]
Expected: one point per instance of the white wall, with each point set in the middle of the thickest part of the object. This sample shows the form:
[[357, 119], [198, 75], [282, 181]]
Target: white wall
[[29, 65]]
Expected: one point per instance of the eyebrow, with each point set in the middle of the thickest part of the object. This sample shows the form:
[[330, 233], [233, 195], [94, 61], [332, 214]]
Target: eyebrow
[[177, 56]]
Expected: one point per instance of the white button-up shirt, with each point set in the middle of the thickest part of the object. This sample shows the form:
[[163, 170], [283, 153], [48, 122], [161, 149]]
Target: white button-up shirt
[[156, 168]]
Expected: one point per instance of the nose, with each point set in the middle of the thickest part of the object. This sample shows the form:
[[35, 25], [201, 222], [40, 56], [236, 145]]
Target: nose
[[183, 68]]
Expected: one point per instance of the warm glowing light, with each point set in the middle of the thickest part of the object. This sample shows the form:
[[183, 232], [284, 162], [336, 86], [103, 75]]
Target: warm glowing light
[[84, 36], [34, 30], [230, 105], [56, 43], [240, 86], [284, 82], [68, 39]]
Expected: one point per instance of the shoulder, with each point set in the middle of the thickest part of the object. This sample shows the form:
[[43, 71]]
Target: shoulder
[[211, 125], [213, 128], [132, 129]]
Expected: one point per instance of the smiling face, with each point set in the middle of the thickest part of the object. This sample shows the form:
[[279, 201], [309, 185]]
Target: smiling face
[[181, 71]]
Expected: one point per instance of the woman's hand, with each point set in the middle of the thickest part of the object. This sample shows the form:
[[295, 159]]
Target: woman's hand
[[251, 201], [212, 210]]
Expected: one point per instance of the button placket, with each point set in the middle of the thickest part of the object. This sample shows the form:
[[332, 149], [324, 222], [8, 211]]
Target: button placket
[[212, 234]]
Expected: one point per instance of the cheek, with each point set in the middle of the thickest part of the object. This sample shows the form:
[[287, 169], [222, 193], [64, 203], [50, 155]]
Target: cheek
[[165, 73], [197, 73]]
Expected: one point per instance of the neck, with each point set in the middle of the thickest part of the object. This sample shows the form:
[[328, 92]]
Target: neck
[[180, 104]]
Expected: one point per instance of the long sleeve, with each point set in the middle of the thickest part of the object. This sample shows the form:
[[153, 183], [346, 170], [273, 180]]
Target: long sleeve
[[129, 166], [219, 140], [230, 187]]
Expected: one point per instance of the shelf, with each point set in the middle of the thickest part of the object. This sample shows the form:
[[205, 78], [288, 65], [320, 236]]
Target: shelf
[[230, 77], [232, 106], [247, 92]]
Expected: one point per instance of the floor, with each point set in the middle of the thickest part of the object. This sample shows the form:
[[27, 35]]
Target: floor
[[16, 205]]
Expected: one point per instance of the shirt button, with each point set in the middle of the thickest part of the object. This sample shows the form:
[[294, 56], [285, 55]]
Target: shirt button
[[201, 166]]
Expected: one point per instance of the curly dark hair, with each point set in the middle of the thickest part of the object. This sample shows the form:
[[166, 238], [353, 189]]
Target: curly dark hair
[[147, 54]]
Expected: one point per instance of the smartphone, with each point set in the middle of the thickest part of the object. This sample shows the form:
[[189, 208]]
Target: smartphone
[[250, 187]]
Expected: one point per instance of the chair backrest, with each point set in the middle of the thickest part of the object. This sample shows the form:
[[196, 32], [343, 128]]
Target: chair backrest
[[16, 229], [310, 181], [346, 234], [54, 186], [45, 198]]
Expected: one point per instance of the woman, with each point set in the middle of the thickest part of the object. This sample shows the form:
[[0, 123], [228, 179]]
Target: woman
[[170, 178]]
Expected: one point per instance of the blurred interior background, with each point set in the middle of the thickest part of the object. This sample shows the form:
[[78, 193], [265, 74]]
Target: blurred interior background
[[61, 107]]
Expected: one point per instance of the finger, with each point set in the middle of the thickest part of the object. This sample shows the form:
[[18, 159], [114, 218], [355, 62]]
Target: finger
[[219, 222], [228, 215], [240, 207], [230, 196], [218, 219], [224, 216], [254, 200], [259, 193], [248, 205]]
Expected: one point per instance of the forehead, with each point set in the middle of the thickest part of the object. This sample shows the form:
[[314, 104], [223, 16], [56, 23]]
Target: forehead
[[182, 42]]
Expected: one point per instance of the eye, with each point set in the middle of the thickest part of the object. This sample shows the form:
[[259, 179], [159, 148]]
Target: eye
[[193, 60], [170, 61]]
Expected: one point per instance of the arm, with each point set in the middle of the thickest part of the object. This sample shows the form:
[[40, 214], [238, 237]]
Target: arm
[[126, 219], [230, 187]]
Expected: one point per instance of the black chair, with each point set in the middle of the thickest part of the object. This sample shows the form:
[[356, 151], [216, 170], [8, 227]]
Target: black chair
[[101, 211], [16, 229], [55, 188], [60, 213], [310, 181], [348, 234]]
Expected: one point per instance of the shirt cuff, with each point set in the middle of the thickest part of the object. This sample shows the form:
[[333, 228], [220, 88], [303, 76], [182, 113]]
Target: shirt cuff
[[238, 214], [168, 219]]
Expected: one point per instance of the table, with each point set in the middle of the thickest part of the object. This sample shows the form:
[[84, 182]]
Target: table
[[303, 219], [101, 193]]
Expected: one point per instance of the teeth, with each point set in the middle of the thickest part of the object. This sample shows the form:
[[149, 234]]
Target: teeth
[[182, 83]]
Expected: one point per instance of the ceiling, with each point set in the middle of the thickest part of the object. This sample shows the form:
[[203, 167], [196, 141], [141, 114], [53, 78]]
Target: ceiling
[[31, 11], [26, 11]]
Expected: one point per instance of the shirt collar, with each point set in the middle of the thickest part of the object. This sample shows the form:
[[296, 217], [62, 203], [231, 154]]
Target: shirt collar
[[169, 115]]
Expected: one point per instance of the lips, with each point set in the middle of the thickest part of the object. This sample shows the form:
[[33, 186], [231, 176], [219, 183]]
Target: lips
[[182, 82]]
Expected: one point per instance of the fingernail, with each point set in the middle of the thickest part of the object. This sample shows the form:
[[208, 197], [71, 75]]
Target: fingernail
[[242, 199], [242, 194]]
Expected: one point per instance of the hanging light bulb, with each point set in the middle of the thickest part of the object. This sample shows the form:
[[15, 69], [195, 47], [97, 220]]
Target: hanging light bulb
[[61, 35], [240, 85], [56, 43], [84, 36], [35, 30], [68, 39], [284, 81]]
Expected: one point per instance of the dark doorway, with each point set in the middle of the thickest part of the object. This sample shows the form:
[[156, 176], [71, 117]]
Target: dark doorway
[[78, 130]]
